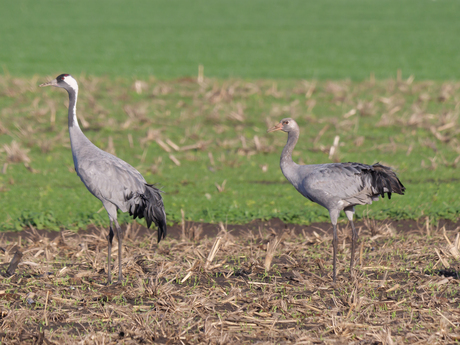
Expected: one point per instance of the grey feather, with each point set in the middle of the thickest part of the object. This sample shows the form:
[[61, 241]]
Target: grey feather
[[336, 186], [117, 184]]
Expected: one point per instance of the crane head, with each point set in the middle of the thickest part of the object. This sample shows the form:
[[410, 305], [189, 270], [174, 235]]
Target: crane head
[[65, 81], [285, 125]]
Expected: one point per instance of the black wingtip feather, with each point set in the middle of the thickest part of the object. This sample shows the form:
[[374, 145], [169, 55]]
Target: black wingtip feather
[[149, 205], [383, 177]]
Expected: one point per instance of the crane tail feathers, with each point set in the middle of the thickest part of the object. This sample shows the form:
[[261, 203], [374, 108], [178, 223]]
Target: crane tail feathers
[[385, 180], [149, 205]]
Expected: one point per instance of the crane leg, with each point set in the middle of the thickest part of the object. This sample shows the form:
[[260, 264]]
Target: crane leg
[[354, 237], [120, 239], [334, 214], [335, 241], [109, 262]]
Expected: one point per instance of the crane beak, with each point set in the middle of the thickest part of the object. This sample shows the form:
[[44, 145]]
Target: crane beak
[[277, 127], [50, 83]]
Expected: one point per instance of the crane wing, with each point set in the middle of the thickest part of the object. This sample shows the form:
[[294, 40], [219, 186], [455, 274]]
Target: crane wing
[[340, 181], [110, 178], [353, 183]]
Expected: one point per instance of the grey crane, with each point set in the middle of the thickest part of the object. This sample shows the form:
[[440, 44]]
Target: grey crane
[[113, 181], [336, 186]]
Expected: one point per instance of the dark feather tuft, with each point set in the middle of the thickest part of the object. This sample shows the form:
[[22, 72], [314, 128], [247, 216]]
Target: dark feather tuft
[[384, 180], [149, 205]]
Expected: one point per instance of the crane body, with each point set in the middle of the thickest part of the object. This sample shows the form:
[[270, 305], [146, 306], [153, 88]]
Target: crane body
[[336, 186], [114, 182]]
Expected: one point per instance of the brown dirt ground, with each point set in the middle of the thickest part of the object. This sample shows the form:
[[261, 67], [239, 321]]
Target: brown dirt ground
[[405, 288], [275, 225]]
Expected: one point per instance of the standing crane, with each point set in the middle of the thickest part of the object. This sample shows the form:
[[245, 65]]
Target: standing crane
[[113, 181], [336, 186]]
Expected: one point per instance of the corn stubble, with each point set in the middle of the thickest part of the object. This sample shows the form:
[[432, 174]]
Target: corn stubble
[[256, 287]]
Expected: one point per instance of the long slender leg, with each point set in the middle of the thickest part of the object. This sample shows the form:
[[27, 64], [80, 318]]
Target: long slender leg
[[350, 212], [109, 262], [353, 245], [335, 241], [112, 212], [120, 239], [334, 214]]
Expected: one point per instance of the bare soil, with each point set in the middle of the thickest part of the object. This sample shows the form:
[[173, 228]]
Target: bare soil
[[262, 282]]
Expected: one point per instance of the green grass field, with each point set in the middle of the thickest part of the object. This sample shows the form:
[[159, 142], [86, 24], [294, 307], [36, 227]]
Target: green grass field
[[220, 130], [266, 60], [333, 39]]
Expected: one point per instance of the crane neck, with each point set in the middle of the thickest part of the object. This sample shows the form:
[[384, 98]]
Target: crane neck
[[77, 138], [286, 156], [73, 95]]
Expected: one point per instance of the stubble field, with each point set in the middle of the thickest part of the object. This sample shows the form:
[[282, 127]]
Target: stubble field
[[264, 283]]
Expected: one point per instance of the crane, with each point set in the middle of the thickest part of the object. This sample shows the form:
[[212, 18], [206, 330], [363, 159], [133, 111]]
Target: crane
[[114, 182], [336, 186]]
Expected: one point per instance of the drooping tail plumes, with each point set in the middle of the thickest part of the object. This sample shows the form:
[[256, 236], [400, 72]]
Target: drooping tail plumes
[[384, 180], [149, 205]]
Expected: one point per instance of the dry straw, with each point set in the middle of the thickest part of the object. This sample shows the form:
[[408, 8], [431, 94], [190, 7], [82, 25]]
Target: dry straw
[[271, 249]]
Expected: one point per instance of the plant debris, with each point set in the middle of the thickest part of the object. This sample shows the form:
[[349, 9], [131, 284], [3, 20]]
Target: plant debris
[[222, 289]]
